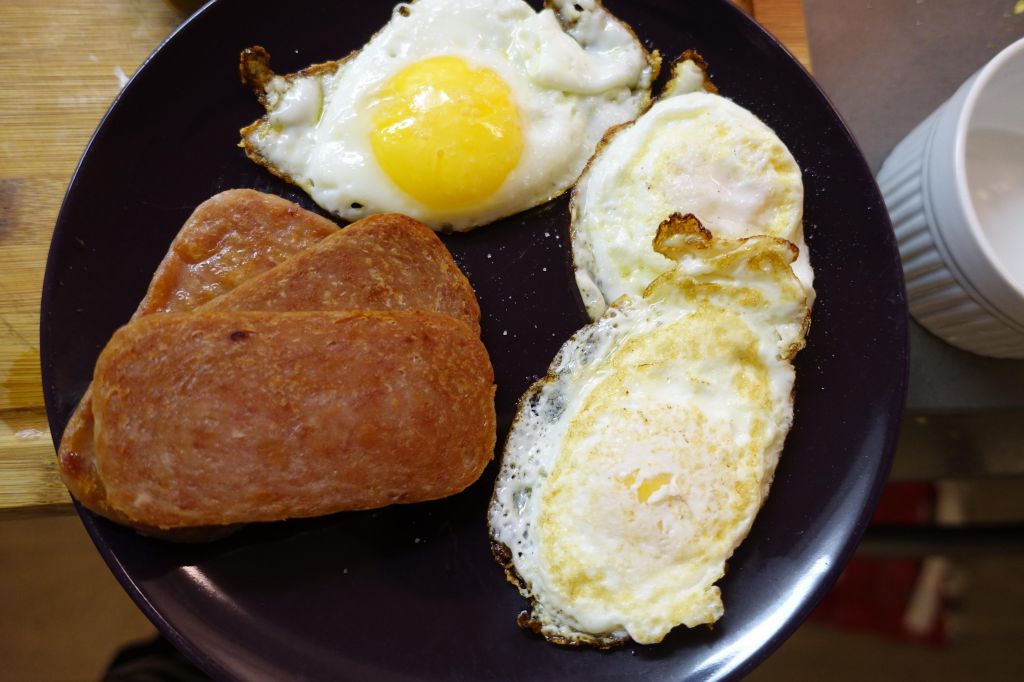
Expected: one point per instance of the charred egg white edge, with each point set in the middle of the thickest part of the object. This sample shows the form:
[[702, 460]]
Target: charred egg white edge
[[692, 152], [572, 73], [636, 467]]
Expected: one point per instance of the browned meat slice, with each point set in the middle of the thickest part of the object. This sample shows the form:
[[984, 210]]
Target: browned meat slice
[[230, 237], [384, 262], [216, 418]]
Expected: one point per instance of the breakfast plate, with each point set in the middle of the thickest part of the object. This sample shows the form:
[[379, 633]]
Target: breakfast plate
[[412, 592]]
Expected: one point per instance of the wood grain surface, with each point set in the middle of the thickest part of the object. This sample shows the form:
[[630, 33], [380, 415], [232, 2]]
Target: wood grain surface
[[785, 20], [63, 62]]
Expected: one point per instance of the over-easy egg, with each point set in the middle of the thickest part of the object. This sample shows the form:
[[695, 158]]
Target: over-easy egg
[[458, 112], [636, 467], [692, 152]]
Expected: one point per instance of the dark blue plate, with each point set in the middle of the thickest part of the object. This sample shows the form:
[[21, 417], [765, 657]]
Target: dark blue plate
[[412, 592]]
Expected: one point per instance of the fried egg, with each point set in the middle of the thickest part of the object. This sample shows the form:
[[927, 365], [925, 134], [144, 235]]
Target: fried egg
[[695, 152], [636, 467], [457, 113]]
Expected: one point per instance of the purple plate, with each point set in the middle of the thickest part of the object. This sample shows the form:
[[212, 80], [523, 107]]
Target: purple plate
[[412, 592]]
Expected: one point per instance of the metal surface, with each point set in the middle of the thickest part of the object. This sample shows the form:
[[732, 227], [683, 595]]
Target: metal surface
[[980, 445], [970, 540]]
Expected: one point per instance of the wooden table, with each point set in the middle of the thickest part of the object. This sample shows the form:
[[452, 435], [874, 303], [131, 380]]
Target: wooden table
[[62, 63]]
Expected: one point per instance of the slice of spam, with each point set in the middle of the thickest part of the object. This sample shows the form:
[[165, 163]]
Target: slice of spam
[[215, 418], [230, 237], [383, 262], [246, 232]]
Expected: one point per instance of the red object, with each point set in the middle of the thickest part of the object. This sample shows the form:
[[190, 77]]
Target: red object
[[872, 595]]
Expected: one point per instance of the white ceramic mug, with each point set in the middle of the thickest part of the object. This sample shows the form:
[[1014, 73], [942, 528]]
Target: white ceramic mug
[[954, 188]]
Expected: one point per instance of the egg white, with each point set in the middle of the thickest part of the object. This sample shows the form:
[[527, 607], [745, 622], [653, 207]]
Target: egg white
[[636, 467], [692, 152], [573, 73]]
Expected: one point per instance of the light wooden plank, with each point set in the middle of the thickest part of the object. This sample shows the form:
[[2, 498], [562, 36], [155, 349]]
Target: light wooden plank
[[29, 467], [785, 20], [62, 63]]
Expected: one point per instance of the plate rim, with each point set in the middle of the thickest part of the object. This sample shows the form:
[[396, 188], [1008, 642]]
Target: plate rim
[[785, 628]]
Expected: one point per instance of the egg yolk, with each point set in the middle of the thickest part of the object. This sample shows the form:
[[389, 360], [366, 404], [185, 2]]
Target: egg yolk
[[447, 134]]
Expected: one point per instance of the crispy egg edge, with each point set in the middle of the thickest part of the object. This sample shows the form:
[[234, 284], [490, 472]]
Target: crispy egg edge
[[694, 235], [254, 69]]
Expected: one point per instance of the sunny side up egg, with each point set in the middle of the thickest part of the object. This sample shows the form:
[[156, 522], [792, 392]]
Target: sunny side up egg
[[692, 152], [636, 467], [457, 113]]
